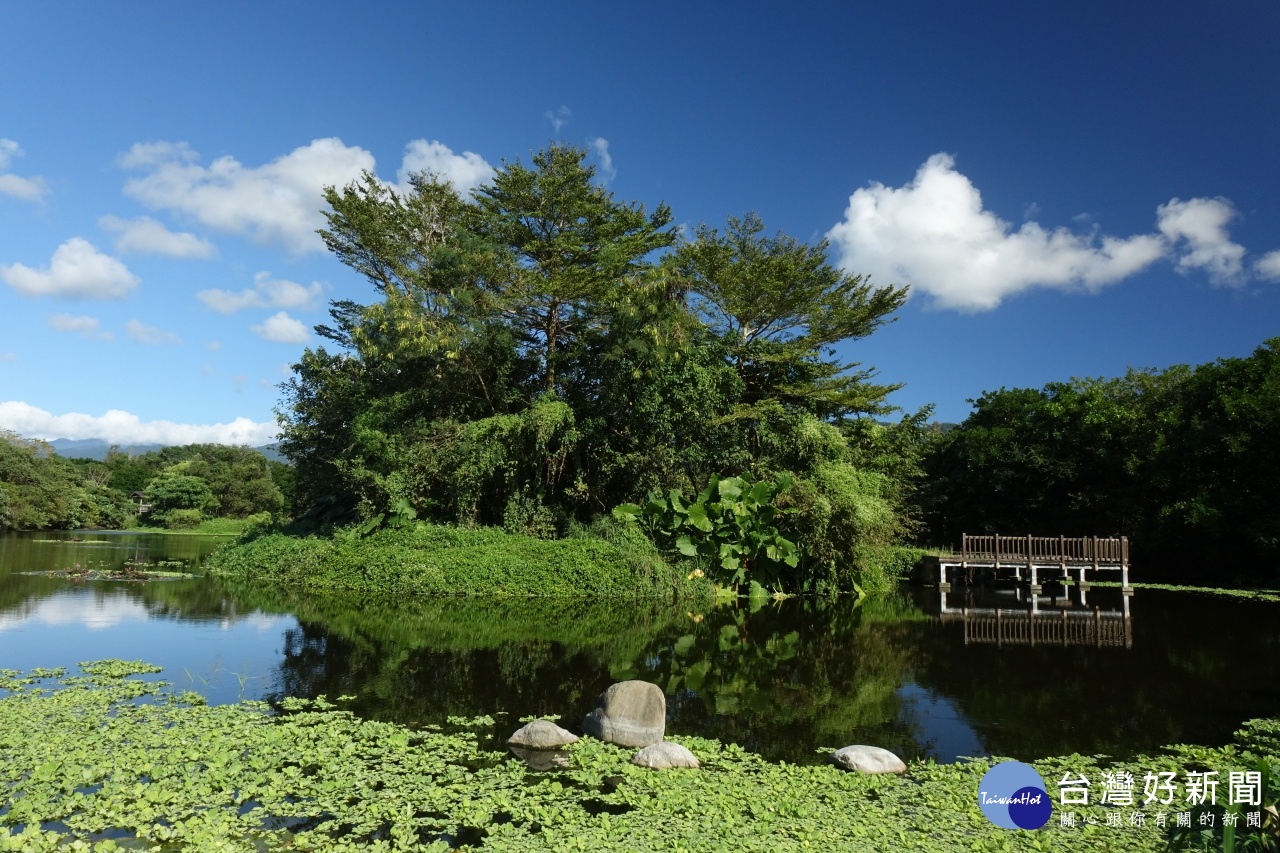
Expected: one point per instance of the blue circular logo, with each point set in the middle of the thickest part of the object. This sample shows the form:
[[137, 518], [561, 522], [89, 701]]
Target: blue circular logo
[[1012, 796]]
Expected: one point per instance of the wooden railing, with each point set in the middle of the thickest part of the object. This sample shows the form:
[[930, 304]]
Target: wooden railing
[[1088, 550]]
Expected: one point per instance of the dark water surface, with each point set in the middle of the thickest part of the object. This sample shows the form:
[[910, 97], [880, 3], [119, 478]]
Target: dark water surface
[[913, 672]]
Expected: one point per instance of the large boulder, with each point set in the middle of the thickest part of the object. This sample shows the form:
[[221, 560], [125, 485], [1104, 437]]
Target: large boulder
[[868, 760], [629, 713], [542, 734], [665, 756], [542, 759]]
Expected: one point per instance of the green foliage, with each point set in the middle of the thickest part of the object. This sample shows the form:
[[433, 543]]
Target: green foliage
[[424, 559], [779, 307], [183, 519], [1183, 461], [103, 754], [727, 528], [40, 490]]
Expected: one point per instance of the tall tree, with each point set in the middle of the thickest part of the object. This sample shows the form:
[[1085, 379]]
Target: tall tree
[[780, 308], [570, 247]]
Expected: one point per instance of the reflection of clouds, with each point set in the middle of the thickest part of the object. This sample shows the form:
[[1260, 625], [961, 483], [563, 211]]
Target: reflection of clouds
[[93, 612], [257, 621]]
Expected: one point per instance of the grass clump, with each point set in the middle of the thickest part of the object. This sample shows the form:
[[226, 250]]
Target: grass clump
[[426, 559], [104, 761]]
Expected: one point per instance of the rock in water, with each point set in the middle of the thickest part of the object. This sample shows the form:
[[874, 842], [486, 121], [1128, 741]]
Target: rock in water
[[868, 760], [542, 759], [665, 756], [629, 713], [542, 734]]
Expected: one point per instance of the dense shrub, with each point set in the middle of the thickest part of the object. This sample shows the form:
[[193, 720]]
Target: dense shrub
[[425, 559]]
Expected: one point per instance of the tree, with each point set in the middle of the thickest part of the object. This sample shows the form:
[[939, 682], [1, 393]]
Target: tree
[[570, 246], [780, 308]]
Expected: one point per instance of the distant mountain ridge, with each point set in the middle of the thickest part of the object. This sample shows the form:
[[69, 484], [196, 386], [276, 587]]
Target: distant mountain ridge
[[96, 448]]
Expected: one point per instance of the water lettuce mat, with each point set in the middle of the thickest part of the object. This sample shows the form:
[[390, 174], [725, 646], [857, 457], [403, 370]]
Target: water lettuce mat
[[106, 760]]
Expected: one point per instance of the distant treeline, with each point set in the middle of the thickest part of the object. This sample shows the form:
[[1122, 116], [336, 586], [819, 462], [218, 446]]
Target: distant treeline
[[183, 486], [1184, 461]]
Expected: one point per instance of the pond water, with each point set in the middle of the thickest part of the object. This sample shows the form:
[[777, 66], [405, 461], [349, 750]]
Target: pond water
[[917, 672]]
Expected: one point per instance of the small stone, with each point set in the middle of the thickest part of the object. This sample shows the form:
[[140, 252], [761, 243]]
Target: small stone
[[542, 734], [629, 713], [665, 756], [868, 760]]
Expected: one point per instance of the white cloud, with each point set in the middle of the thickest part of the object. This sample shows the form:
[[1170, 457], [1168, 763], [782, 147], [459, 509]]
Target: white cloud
[[1202, 223], [26, 189], [935, 235], [465, 171], [278, 202], [1268, 266], [76, 269], [601, 146], [267, 292], [558, 118], [213, 346], [120, 427], [143, 334], [282, 329], [7, 357], [86, 327], [146, 236]]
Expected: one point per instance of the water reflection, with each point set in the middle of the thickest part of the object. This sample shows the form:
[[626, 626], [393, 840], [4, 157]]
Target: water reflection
[[1058, 615], [912, 672]]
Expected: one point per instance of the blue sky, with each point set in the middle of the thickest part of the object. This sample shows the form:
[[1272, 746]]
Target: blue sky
[[1069, 189]]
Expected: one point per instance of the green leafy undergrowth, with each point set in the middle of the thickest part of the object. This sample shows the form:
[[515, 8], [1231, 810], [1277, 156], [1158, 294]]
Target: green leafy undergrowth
[[424, 559], [103, 761]]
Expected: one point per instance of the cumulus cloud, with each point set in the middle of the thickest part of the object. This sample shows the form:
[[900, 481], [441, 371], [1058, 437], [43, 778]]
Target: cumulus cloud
[[144, 235], [141, 333], [600, 145], [76, 269], [26, 189], [1268, 266], [7, 357], [465, 171], [278, 202], [934, 234], [1201, 225], [120, 427], [86, 327], [282, 329], [267, 292], [558, 118]]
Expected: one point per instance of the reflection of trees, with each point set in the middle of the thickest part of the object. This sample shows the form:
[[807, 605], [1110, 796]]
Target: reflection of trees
[[782, 679], [195, 599]]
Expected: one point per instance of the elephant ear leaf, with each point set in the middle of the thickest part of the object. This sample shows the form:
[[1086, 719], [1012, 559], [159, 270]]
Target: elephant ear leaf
[[685, 546], [626, 512], [698, 518]]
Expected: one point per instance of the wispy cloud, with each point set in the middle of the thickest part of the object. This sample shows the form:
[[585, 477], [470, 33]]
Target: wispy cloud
[[600, 146], [86, 327], [141, 333], [144, 235], [121, 427], [282, 329], [935, 234], [77, 269], [558, 117], [33, 188]]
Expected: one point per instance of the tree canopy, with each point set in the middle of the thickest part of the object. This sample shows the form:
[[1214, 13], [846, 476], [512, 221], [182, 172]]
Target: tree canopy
[[542, 352]]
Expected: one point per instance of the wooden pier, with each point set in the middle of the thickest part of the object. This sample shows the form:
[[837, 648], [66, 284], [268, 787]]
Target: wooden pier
[[1035, 555]]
